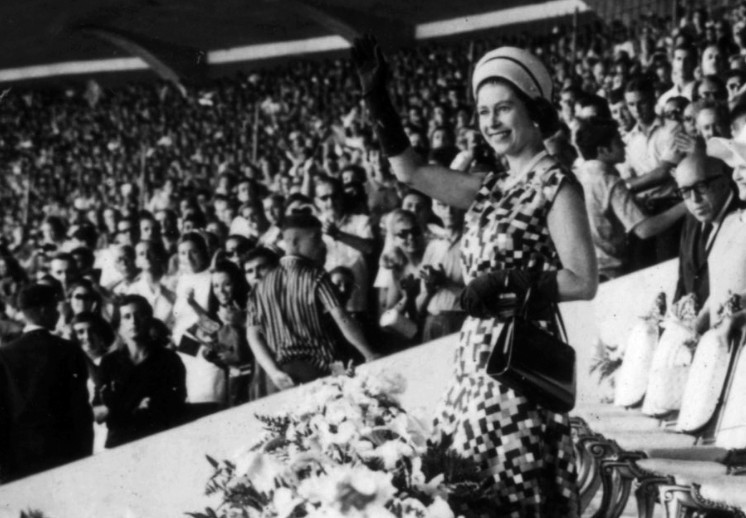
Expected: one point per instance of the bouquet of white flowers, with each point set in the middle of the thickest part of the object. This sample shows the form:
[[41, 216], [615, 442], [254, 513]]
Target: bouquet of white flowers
[[350, 450]]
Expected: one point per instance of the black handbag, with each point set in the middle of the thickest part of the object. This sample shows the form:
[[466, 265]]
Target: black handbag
[[535, 363]]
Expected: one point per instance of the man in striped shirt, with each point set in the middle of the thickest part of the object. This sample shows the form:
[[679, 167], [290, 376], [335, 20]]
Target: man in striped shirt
[[285, 324]]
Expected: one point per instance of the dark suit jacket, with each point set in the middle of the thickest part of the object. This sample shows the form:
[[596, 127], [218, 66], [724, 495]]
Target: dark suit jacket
[[693, 271], [693, 274], [45, 417]]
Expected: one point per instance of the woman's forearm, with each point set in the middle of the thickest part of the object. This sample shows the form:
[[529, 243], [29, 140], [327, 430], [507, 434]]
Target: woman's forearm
[[571, 286]]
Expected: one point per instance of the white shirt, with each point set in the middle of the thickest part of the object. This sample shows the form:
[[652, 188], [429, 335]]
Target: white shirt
[[163, 308], [340, 254]]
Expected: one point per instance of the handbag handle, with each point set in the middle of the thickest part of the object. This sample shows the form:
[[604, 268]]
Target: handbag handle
[[523, 313]]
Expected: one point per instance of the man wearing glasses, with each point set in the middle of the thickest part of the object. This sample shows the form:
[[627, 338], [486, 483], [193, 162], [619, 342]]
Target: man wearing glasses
[[704, 184]]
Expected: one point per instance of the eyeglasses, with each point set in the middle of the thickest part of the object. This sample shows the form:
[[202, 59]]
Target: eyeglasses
[[408, 232], [326, 197], [701, 188], [82, 296]]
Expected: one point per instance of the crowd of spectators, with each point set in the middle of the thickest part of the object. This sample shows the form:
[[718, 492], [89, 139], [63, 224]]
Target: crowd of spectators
[[156, 215]]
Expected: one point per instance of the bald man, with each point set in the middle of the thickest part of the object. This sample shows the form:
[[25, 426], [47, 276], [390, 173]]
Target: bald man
[[709, 195]]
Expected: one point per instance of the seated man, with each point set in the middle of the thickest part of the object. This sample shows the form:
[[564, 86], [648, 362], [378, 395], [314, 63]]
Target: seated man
[[709, 196], [285, 326]]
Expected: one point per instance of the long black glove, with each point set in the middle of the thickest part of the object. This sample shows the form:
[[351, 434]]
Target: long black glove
[[373, 72], [504, 291]]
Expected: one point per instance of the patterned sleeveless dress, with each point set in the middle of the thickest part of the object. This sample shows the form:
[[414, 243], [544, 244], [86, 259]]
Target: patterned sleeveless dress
[[525, 449]]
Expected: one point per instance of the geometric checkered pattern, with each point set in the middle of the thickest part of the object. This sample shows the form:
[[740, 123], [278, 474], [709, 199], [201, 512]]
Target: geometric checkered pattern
[[525, 449]]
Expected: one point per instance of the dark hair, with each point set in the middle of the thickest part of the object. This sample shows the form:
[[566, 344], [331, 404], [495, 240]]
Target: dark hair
[[616, 96], [595, 133], [126, 300], [88, 285], [735, 72], [87, 234], [128, 250], [199, 242], [343, 270], [147, 216], [240, 286], [57, 224], [262, 252], [98, 325], [597, 102], [721, 93], [357, 171], [642, 85], [159, 254], [243, 243], [197, 218], [301, 221], [414, 192], [540, 111], [692, 50], [64, 256]]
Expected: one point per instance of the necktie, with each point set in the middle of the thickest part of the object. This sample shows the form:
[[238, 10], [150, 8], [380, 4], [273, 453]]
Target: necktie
[[702, 244]]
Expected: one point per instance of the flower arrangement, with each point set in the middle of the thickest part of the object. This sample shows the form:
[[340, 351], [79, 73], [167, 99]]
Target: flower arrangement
[[349, 451]]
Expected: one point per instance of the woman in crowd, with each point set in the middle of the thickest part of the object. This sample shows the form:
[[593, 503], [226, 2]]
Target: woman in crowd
[[205, 380], [151, 259], [529, 230], [228, 347], [82, 297]]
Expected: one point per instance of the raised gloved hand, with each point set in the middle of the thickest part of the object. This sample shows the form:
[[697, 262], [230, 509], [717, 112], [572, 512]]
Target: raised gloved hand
[[501, 293], [372, 72], [371, 66]]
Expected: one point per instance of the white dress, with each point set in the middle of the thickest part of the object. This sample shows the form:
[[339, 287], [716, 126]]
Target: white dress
[[205, 381]]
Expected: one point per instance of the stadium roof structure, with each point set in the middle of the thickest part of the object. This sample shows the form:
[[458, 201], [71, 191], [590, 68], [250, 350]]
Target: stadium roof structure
[[181, 38]]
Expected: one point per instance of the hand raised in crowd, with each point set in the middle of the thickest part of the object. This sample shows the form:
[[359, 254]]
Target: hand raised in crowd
[[371, 66], [434, 277]]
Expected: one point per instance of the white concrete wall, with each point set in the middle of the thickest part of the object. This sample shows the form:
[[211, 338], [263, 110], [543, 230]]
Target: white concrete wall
[[164, 476]]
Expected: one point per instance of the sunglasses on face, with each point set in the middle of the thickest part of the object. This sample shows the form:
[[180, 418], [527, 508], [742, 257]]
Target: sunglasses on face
[[408, 232], [701, 188]]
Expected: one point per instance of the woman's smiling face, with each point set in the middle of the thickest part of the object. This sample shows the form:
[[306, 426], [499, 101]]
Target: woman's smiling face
[[504, 120]]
